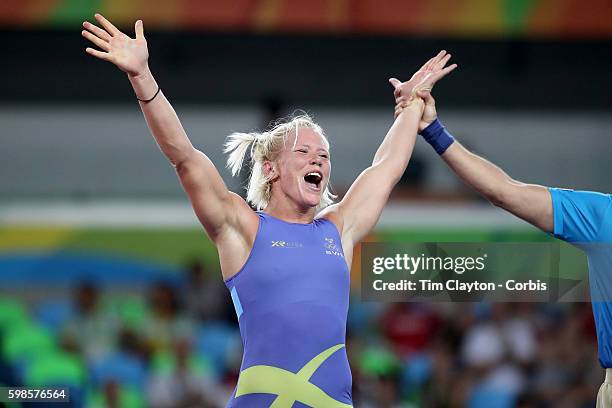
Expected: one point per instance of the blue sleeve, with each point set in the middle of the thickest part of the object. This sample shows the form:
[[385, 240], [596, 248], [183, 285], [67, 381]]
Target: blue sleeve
[[578, 215]]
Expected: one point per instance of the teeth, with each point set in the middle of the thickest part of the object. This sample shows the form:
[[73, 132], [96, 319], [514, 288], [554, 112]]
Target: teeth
[[319, 176]]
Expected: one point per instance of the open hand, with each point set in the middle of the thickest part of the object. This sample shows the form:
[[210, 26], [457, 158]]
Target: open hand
[[421, 84], [129, 54], [425, 78]]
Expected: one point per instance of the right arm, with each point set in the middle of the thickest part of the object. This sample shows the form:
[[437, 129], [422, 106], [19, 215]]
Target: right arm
[[530, 202], [213, 203], [220, 211]]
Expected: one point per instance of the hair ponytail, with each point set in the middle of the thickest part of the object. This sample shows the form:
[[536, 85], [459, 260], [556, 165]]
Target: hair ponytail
[[237, 145]]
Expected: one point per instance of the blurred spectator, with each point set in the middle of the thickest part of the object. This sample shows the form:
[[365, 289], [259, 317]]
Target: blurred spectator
[[182, 381], [410, 355], [409, 327], [380, 378], [166, 321], [494, 349], [93, 331], [519, 333], [113, 395], [206, 297]]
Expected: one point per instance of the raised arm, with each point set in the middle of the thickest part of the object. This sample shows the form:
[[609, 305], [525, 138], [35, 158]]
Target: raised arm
[[362, 205], [530, 202], [216, 207]]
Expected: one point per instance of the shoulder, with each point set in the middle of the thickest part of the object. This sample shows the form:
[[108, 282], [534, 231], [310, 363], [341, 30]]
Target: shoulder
[[579, 215], [578, 198], [333, 214]]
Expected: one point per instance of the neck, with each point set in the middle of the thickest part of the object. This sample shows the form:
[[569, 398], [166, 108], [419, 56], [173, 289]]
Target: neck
[[290, 212]]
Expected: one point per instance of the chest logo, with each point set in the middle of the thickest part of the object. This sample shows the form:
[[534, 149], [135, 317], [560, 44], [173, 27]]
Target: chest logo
[[331, 248], [285, 244]]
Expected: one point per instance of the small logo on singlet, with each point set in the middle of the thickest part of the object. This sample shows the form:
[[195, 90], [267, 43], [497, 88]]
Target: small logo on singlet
[[285, 244], [331, 248]]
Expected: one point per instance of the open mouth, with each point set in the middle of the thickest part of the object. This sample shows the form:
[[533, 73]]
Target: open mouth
[[313, 179]]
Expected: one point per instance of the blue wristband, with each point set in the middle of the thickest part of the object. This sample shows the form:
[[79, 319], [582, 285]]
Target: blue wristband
[[437, 136]]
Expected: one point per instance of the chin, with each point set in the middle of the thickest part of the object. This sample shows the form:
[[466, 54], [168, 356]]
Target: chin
[[315, 205], [310, 199], [312, 203]]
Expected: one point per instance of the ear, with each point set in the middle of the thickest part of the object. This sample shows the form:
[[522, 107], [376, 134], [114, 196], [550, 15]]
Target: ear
[[269, 170]]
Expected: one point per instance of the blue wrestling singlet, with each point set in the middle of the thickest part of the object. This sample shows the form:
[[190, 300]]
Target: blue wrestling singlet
[[291, 297]]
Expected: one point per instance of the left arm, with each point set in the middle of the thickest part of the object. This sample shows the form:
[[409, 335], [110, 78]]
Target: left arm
[[358, 212], [362, 205]]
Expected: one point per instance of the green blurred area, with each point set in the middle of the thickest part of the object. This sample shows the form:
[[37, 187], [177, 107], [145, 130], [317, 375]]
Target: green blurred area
[[462, 235], [176, 246], [172, 246]]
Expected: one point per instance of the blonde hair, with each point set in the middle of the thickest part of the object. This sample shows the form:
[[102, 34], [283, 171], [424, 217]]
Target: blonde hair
[[267, 146]]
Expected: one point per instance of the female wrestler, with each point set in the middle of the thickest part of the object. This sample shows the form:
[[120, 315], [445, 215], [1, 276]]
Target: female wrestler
[[287, 264]]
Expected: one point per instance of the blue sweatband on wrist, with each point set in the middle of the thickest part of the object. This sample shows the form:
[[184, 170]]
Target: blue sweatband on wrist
[[437, 136]]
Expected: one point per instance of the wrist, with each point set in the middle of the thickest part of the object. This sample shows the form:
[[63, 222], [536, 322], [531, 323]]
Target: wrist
[[424, 124], [141, 76], [412, 108], [144, 85], [437, 136], [432, 128], [414, 104]]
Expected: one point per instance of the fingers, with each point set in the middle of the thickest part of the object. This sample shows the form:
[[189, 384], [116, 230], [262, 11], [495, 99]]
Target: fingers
[[427, 97], [98, 54], [397, 85], [424, 93], [395, 82], [397, 112], [443, 61], [100, 33], [139, 29], [108, 26], [425, 65], [100, 43], [441, 74], [434, 61], [449, 69], [399, 107]]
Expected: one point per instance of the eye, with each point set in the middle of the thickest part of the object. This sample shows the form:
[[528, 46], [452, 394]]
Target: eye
[[325, 156], [302, 151]]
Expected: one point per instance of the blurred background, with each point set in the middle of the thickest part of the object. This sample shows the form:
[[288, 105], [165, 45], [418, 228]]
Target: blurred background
[[109, 285]]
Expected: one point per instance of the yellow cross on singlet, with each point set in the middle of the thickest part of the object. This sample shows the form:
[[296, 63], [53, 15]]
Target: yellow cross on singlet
[[289, 387]]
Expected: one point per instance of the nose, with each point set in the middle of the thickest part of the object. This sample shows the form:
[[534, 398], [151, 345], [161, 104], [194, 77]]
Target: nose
[[316, 160]]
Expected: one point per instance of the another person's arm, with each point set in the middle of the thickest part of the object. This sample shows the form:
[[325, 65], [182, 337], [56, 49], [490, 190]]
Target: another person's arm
[[362, 205], [217, 208], [574, 216], [530, 202]]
